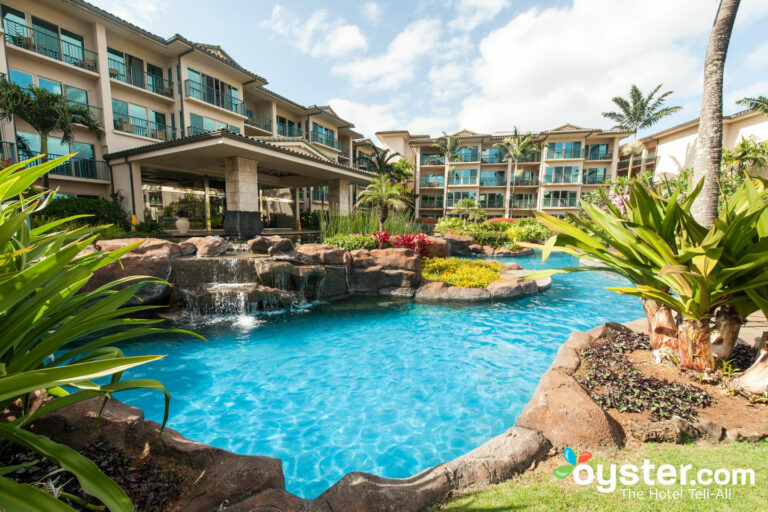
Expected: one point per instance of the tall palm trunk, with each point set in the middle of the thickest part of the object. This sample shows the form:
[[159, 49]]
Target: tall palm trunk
[[508, 205], [727, 326], [695, 351], [514, 177], [663, 331], [445, 185], [709, 143], [383, 214], [44, 152]]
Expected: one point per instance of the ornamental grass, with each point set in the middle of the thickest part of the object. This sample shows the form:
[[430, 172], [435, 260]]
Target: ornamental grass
[[461, 272]]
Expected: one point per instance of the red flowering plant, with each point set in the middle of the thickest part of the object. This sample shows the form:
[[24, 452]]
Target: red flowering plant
[[418, 243], [382, 237]]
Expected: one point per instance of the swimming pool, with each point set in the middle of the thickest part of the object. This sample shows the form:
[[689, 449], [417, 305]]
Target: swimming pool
[[375, 385]]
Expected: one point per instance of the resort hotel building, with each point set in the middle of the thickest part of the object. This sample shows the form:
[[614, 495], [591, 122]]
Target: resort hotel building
[[181, 120]]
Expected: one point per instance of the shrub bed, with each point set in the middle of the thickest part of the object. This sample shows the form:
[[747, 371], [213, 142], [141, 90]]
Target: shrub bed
[[353, 242], [460, 272], [100, 210]]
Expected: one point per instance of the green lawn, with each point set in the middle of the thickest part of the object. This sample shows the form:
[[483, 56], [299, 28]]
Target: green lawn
[[540, 490]]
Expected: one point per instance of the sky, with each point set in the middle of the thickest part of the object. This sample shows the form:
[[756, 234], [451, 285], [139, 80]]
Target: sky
[[485, 65]]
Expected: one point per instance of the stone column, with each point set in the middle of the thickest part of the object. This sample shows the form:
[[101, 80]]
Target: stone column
[[417, 183], [104, 86], [338, 196], [242, 218], [297, 207]]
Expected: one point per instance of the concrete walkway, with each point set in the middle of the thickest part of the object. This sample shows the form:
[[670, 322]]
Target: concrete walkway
[[752, 331]]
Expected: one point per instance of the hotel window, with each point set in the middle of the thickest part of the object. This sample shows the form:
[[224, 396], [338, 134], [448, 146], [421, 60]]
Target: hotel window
[[323, 135], [495, 200], [20, 78], [596, 151], [594, 176], [46, 38], [49, 85], [524, 178], [288, 128], [564, 150], [15, 23], [523, 201], [493, 156], [454, 197], [493, 178], [432, 180], [467, 154], [432, 201], [567, 174], [76, 95], [320, 193], [432, 159], [462, 177], [560, 199], [212, 90]]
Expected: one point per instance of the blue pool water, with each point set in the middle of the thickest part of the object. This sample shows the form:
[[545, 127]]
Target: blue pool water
[[380, 386]]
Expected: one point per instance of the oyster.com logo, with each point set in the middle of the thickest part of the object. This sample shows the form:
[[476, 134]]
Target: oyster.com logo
[[570, 457]]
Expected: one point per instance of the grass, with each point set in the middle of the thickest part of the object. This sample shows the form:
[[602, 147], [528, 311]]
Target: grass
[[540, 490], [366, 223], [461, 272]]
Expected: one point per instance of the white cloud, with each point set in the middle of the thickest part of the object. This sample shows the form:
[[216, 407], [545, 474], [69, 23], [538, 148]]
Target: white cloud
[[148, 14], [318, 35], [758, 59], [472, 13], [372, 12], [398, 63], [548, 67], [369, 119], [752, 90], [449, 81]]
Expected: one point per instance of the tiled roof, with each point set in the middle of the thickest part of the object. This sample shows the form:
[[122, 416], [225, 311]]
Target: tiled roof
[[693, 122], [224, 133]]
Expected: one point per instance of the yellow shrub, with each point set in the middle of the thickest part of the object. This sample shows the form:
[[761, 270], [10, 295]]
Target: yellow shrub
[[460, 272]]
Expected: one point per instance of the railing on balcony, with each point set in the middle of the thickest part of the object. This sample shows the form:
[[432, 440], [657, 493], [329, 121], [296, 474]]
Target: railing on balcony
[[598, 155], [562, 202], [139, 78], [493, 156], [87, 168], [344, 152], [143, 127], [8, 151], [259, 121], [288, 131], [432, 160], [40, 41], [493, 180], [96, 112], [650, 159], [432, 180], [213, 96], [524, 205], [326, 140], [562, 154], [363, 162], [526, 181], [491, 203]]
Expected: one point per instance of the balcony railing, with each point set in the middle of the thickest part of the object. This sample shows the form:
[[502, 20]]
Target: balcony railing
[[562, 202], [432, 160], [432, 181], [562, 180], [326, 140], [493, 181], [526, 181], [562, 154], [86, 168], [139, 78], [40, 41], [598, 155], [431, 204], [8, 151], [524, 205], [259, 121], [213, 96], [363, 162], [344, 152], [491, 203], [288, 131], [96, 112], [143, 127], [593, 180]]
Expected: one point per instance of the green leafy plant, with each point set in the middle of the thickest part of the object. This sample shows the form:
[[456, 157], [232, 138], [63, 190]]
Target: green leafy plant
[[353, 242], [383, 194], [97, 211], [58, 338], [365, 222]]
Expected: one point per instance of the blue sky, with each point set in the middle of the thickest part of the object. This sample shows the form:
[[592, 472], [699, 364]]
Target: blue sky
[[484, 65]]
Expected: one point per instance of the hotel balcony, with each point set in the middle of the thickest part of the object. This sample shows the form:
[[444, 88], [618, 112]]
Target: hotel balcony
[[49, 45], [82, 168], [563, 202], [325, 140], [432, 181], [363, 162], [8, 151], [598, 155], [259, 121], [565, 154], [213, 96], [142, 127], [532, 181], [288, 131], [139, 78], [523, 205], [96, 112]]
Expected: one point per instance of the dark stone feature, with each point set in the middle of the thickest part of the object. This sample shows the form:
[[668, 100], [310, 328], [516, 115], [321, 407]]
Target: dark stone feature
[[242, 225]]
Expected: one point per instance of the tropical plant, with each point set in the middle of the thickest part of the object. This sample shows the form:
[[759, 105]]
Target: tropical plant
[[46, 112], [450, 147], [631, 149], [383, 194], [640, 111], [465, 207], [352, 242], [709, 140], [99, 211], [59, 338], [384, 162], [758, 104], [748, 155], [517, 147], [334, 223]]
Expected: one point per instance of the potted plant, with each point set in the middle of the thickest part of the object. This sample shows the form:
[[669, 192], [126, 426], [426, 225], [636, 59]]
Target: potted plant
[[182, 220]]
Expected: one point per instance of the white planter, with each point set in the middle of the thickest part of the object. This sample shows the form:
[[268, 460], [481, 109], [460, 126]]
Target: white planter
[[182, 225]]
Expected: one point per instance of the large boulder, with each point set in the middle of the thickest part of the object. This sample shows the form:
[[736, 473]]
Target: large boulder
[[151, 258], [208, 245], [222, 475], [270, 244], [459, 245], [559, 411], [436, 291], [374, 270], [322, 254], [438, 248]]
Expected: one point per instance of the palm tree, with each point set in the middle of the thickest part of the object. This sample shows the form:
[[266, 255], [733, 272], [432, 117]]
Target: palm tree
[[631, 149], [516, 148], [449, 147], [758, 104], [466, 206], [709, 141], [639, 112], [384, 194], [46, 112]]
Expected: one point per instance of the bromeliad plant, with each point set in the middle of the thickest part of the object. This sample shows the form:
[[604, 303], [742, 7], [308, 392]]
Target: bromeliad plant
[[673, 262], [57, 338]]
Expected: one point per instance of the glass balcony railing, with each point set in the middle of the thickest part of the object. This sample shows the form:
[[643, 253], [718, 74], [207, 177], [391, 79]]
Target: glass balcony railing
[[598, 155], [650, 158], [561, 180], [138, 126], [213, 96], [259, 121], [363, 162], [8, 151], [432, 160], [491, 203], [562, 154], [46, 43], [431, 203], [139, 78], [288, 131], [87, 168], [432, 180], [526, 181], [562, 202], [96, 112], [344, 152], [524, 205], [494, 180], [326, 140]]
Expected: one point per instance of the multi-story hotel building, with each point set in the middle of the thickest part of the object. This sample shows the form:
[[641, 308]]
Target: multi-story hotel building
[[181, 119], [573, 162]]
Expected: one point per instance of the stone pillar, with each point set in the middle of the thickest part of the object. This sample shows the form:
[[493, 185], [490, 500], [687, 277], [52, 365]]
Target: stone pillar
[[417, 183], [242, 218], [297, 207], [104, 86], [338, 196]]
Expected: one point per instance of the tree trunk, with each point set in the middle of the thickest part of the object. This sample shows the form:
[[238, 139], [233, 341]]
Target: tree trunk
[[629, 169], [709, 142], [445, 186], [383, 214], [514, 177], [726, 331], [755, 379], [663, 330], [507, 196], [693, 339], [44, 152]]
